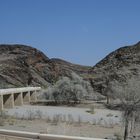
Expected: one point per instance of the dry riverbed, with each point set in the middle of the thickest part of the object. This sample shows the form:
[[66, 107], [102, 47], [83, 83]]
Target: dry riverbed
[[74, 121], [62, 128]]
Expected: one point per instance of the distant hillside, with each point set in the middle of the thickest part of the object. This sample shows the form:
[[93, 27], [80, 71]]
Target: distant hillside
[[67, 67], [22, 65], [120, 65]]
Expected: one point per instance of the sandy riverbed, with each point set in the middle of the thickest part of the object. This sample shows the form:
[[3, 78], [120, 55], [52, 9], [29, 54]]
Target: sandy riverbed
[[102, 115], [62, 120]]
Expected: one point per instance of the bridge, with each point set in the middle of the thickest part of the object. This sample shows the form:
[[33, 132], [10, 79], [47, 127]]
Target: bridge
[[17, 96]]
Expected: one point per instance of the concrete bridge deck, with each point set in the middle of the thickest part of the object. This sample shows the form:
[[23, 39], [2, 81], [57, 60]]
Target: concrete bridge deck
[[17, 96]]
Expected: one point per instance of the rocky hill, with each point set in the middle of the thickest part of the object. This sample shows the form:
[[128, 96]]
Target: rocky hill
[[22, 65], [120, 65], [67, 67]]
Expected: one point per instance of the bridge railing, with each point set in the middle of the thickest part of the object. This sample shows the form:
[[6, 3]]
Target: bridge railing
[[22, 135]]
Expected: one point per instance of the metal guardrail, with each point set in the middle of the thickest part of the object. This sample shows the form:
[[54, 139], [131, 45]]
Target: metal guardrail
[[39, 136]]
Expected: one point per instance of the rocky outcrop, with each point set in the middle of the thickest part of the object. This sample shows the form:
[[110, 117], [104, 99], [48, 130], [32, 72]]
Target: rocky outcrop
[[120, 65], [22, 65], [67, 67]]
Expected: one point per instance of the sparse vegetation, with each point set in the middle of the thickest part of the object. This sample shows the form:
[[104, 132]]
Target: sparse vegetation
[[109, 115], [129, 97], [55, 119], [30, 115], [118, 136], [91, 110], [3, 117], [79, 120], [69, 90], [39, 114], [70, 119]]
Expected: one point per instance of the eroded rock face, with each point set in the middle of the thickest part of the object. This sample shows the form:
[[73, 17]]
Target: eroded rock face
[[119, 65], [22, 65], [19, 66], [67, 67]]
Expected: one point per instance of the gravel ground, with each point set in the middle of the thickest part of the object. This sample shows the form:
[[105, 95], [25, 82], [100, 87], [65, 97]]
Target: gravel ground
[[73, 121], [75, 129], [102, 115]]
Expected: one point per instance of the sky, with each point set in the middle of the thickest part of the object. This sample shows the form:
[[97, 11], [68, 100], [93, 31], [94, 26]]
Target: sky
[[79, 31]]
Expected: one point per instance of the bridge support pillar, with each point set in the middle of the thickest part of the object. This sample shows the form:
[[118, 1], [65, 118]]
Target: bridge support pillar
[[8, 101], [26, 97], [33, 96], [18, 99], [1, 102]]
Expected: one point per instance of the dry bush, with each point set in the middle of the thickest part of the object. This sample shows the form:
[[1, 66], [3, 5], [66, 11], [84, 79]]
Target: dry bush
[[118, 136], [129, 97], [2, 122], [48, 120], [79, 121], [3, 117], [69, 90], [70, 119], [64, 118], [94, 122], [39, 114], [30, 115], [56, 119]]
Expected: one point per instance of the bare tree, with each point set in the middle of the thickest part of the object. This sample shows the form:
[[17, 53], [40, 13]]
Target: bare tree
[[107, 90], [106, 86], [129, 97]]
